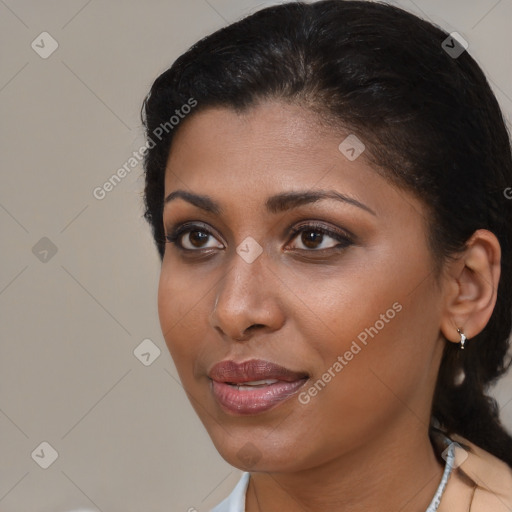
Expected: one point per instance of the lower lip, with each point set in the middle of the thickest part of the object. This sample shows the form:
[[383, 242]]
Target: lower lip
[[254, 400]]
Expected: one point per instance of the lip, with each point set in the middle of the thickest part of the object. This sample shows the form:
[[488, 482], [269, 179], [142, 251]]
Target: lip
[[229, 385]]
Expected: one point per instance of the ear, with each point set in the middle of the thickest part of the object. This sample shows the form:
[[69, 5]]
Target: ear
[[471, 284]]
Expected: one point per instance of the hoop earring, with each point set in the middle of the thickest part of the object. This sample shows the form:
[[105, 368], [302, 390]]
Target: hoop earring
[[462, 338]]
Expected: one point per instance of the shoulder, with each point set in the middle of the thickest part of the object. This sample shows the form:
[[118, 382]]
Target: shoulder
[[480, 482]]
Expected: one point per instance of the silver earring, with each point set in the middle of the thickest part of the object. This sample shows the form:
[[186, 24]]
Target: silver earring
[[462, 338]]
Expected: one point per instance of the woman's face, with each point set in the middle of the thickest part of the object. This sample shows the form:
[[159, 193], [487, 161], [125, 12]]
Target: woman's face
[[295, 255]]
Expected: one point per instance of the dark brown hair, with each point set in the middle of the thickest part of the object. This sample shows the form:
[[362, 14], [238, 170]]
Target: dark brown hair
[[428, 118]]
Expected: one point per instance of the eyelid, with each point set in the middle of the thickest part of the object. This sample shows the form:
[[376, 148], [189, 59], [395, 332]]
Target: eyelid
[[322, 226], [178, 229], [343, 236]]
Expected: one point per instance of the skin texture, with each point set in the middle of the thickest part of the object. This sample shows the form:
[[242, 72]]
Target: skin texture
[[362, 442]]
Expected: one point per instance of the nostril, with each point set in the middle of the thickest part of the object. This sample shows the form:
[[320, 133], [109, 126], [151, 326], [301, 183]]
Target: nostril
[[251, 328]]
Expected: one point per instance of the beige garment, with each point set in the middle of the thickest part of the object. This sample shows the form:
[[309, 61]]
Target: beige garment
[[479, 482]]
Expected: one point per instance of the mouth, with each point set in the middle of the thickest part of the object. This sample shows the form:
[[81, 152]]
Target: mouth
[[253, 386]]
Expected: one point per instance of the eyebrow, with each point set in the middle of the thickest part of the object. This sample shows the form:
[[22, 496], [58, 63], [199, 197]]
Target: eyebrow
[[274, 204]]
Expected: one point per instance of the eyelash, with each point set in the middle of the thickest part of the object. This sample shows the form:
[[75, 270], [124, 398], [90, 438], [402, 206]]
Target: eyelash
[[344, 238]]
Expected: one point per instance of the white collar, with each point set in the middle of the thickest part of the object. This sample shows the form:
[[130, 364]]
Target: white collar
[[235, 502]]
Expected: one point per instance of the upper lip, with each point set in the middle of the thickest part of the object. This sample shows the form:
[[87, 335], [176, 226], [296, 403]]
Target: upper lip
[[252, 370]]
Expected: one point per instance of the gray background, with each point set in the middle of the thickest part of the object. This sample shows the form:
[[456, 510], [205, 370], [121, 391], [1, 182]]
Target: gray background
[[127, 438]]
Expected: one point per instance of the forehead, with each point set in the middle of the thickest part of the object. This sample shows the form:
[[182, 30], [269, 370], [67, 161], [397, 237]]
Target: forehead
[[269, 125], [271, 138], [267, 149]]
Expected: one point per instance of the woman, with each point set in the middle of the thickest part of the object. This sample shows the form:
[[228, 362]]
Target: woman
[[326, 187]]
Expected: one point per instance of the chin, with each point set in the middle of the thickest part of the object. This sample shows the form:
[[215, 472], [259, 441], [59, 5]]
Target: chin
[[255, 453]]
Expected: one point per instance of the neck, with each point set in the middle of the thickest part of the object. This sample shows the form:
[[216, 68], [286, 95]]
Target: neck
[[389, 473]]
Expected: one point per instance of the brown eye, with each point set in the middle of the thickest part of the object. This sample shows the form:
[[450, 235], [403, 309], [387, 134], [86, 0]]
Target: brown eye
[[311, 239], [192, 237], [197, 238], [318, 237]]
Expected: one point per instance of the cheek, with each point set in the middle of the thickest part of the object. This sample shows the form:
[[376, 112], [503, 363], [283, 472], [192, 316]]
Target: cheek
[[357, 304], [168, 303], [382, 324], [183, 313], [174, 311]]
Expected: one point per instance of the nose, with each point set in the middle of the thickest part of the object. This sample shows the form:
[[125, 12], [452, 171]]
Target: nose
[[247, 300]]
